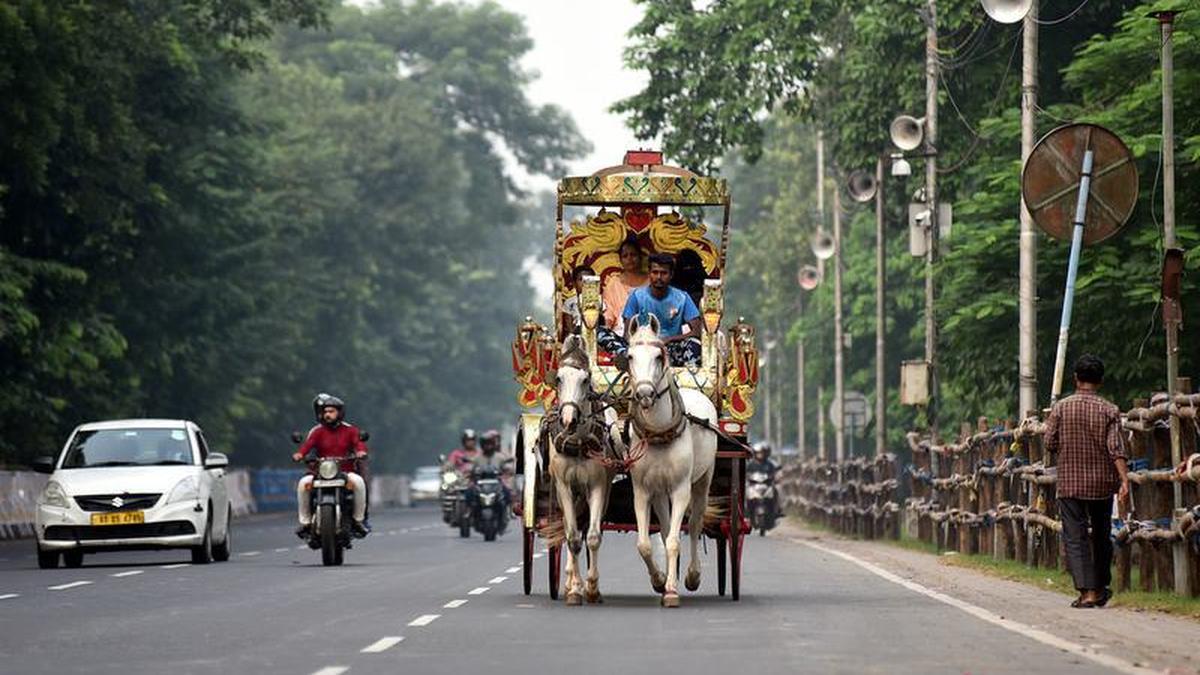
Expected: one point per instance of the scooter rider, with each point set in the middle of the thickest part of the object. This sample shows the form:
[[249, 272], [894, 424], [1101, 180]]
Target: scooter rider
[[463, 457], [333, 436], [763, 463]]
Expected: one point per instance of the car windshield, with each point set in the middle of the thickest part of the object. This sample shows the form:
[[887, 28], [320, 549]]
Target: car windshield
[[128, 447], [428, 473]]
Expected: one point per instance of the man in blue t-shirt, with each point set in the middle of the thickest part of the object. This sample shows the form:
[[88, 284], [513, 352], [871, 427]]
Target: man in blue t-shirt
[[674, 310]]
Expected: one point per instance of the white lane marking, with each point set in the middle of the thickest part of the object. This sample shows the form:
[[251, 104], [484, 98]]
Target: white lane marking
[[980, 613], [391, 532], [404, 531], [301, 547], [63, 587], [250, 554], [332, 670], [9, 596], [424, 620], [497, 580], [282, 550], [454, 604], [383, 644], [130, 573], [479, 591], [176, 566], [513, 570]]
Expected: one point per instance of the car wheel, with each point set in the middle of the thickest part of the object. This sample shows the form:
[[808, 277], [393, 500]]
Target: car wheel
[[47, 560], [203, 554], [221, 551], [73, 558]]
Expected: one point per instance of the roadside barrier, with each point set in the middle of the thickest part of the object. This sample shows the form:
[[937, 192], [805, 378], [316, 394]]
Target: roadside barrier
[[250, 491], [993, 493]]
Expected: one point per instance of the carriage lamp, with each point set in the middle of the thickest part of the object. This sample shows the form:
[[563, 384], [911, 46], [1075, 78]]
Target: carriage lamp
[[712, 300], [589, 300]]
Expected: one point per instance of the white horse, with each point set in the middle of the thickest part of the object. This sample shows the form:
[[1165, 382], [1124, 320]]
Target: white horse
[[577, 467], [675, 456]]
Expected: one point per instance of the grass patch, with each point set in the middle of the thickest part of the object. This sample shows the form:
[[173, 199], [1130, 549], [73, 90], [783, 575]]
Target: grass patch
[[1054, 579]]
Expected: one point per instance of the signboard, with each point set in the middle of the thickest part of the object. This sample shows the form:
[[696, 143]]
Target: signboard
[[857, 415], [914, 383]]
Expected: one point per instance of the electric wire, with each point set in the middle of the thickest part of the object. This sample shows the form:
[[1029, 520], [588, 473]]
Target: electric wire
[[1161, 247], [976, 137], [1063, 18]]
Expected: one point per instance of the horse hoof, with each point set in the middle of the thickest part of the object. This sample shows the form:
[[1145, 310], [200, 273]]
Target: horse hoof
[[659, 583], [670, 600], [692, 581], [574, 599], [593, 598]]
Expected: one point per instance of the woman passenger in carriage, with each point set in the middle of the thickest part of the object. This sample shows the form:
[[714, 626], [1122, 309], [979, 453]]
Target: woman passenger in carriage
[[572, 320], [618, 286], [674, 309]]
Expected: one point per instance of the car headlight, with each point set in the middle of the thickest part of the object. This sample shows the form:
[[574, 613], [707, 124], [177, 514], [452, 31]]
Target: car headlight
[[54, 495], [185, 490], [327, 469]]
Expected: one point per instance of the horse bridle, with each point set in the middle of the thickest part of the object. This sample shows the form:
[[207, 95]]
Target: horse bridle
[[658, 393]]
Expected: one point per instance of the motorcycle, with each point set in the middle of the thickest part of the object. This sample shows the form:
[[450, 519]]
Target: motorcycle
[[762, 499], [331, 504], [454, 508], [488, 503]]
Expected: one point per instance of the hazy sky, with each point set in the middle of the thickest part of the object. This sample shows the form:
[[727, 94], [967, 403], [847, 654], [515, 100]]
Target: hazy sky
[[577, 51]]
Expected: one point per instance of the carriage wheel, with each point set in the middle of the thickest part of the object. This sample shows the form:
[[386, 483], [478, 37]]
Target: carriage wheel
[[527, 558], [721, 566], [555, 556]]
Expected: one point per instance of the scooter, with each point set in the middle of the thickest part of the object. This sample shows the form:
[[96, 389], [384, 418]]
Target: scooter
[[488, 503], [762, 500], [332, 506]]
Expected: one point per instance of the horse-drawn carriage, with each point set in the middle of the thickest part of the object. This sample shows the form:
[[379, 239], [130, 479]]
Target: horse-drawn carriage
[[664, 209]]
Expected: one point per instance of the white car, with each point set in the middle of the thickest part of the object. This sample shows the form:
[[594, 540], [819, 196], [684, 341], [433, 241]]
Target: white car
[[426, 484], [133, 484]]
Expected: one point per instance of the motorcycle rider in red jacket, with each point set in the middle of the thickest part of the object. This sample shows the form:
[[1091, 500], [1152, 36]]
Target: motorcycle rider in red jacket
[[333, 436]]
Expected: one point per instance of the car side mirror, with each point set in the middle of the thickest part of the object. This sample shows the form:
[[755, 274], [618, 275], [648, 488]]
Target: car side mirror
[[364, 436], [216, 460], [297, 437], [43, 464]]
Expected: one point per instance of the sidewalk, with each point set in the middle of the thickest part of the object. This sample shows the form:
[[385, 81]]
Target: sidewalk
[[1148, 639]]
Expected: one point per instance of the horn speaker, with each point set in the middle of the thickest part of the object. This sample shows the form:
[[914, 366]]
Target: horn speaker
[[861, 186], [1007, 11], [809, 277], [822, 245], [907, 132]]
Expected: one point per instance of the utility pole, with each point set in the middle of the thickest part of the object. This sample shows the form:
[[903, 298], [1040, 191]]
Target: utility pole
[[931, 111], [1027, 293], [822, 451], [839, 384], [766, 375], [1166, 22], [880, 315], [801, 441]]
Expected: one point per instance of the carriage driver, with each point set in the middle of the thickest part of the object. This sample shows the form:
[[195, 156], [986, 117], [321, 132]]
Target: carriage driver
[[333, 436], [674, 309]]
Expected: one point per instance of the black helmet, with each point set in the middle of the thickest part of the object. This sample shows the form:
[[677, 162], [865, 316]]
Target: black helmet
[[490, 442], [323, 401], [468, 435]]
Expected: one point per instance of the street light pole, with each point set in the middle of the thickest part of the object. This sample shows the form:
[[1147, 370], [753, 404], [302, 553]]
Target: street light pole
[[931, 111], [822, 451], [839, 384], [880, 315], [1027, 291]]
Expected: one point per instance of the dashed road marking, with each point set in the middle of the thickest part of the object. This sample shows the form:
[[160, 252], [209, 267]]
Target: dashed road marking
[[479, 591], [497, 580], [251, 554], [282, 550], [301, 547], [9, 596], [424, 620], [63, 587], [980, 613], [130, 573], [454, 604], [383, 645], [391, 532], [332, 670], [513, 570], [176, 566]]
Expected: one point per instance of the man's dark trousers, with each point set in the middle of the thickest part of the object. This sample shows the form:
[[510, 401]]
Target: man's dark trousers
[[1089, 555]]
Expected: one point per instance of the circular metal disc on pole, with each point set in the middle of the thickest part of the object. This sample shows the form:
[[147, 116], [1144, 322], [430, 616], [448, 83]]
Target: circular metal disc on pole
[[1050, 182]]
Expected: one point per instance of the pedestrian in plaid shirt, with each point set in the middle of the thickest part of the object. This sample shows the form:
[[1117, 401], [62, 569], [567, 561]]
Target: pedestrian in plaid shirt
[[1084, 432]]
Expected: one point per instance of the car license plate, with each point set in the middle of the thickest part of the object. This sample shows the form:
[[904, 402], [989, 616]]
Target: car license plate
[[328, 483], [119, 518]]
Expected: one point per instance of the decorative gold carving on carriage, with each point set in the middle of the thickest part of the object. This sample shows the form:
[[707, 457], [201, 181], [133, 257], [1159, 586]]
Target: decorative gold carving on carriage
[[643, 189], [533, 354], [741, 378]]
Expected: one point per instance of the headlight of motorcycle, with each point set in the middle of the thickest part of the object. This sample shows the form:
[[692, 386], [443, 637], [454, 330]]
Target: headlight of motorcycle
[[327, 469], [449, 479], [185, 490], [54, 495]]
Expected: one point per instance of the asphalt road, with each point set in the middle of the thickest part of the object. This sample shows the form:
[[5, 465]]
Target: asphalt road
[[414, 598]]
